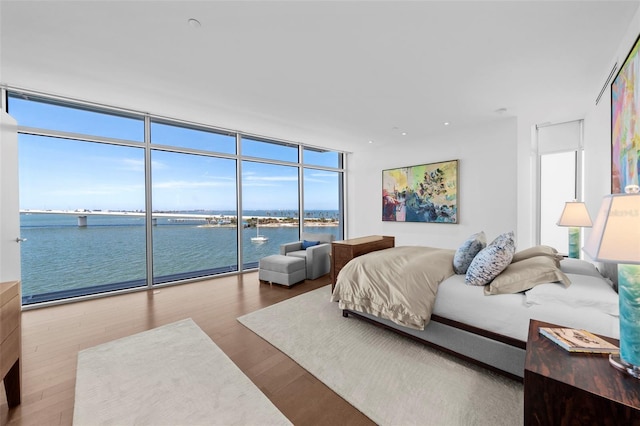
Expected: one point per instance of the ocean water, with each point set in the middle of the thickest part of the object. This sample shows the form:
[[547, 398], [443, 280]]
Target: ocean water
[[58, 257]]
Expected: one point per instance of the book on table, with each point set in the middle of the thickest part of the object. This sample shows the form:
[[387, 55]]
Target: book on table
[[574, 340]]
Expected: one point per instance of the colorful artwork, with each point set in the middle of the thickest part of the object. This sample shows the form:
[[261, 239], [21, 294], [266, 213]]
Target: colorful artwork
[[625, 123], [425, 193]]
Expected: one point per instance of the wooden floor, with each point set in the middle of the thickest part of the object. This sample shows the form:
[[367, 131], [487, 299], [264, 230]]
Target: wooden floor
[[53, 336]]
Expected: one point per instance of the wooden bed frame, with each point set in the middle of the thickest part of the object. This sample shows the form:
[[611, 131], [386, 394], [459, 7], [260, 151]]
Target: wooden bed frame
[[497, 352], [494, 351], [502, 354]]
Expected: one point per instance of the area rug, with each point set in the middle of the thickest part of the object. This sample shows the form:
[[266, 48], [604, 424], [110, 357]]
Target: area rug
[[171, 375], [393, 380]]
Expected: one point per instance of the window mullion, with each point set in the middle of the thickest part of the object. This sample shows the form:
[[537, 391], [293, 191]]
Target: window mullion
[[148, 202]]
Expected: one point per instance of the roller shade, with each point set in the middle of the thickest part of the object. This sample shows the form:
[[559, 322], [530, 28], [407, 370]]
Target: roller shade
[[559, 137]]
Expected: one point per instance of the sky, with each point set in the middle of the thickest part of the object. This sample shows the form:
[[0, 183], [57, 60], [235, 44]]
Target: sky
[[65, 174]]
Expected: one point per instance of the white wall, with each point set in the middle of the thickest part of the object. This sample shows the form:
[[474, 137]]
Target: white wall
[[597, 140], [487, 185], [598, 130], [497, 173], [527, 186], [597, 147], [9, 217]]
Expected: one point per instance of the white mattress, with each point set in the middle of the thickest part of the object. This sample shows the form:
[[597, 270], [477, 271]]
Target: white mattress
[[508, 314]]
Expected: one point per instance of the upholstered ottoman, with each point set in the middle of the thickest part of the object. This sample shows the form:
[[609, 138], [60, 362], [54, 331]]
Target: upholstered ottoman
[[285, 270]]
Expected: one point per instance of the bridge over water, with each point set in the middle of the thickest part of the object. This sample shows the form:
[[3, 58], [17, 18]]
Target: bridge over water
[[84, 214]]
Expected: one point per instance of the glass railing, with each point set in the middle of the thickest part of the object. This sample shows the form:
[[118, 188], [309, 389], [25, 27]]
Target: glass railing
[[75, 253], [79, 252]]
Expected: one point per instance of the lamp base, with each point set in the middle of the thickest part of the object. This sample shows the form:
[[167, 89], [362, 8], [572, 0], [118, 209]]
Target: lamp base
[[574, 242], [622, 365]]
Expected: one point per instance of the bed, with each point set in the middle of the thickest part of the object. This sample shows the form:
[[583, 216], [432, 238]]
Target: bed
[[486, 324]]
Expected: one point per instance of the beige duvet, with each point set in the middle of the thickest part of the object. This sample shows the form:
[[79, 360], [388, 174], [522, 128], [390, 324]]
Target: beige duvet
[[399, 284]]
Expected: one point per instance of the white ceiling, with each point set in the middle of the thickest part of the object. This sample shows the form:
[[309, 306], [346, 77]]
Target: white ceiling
[[327, 73]]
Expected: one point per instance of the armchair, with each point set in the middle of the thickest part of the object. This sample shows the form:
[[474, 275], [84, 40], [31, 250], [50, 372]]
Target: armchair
[[317, 260]]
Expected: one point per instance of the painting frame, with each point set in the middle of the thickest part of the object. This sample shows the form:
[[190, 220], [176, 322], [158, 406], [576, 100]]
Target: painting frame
[[426, 193], [625, 127]]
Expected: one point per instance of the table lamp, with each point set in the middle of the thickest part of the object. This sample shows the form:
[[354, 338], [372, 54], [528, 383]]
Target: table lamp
[[574, 215], [615, 237]]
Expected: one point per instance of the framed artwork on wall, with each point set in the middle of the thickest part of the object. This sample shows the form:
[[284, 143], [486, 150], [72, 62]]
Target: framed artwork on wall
[[625, 123], [423, 193]]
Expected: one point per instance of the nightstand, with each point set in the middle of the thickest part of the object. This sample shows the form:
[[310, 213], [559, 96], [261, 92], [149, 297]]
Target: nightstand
[[563, 388]]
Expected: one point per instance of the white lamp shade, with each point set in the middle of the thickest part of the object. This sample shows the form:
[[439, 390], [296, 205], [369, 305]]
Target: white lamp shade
[[574, 214], [615, 236]]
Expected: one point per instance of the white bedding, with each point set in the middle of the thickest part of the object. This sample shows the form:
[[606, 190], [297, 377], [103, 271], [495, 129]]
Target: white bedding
[[509, 314], [400, 284], [590, 303]]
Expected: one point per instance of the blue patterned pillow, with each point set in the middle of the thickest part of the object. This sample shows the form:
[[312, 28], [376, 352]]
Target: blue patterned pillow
[[306, 244], [491, 260], [506, 238], [467, 251]]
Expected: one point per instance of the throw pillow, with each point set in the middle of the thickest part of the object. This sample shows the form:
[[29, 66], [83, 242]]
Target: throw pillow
[[526, 274], [467, 251], [506, 238], [491, 260], [306, 244]]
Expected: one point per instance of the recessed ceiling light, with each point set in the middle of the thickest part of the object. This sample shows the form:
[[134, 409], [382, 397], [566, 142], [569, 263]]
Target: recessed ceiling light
[[404, 133], [446, 123], [370, 141], [193, 23]]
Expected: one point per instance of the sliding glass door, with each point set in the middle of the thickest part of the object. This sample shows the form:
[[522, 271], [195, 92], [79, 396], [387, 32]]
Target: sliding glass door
[[82, 216]]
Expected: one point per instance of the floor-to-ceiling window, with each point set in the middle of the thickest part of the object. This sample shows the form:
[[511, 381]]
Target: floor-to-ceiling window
[[560, 178], [114, 199], [322, 192], [81, 199], [193, 202], [269, 198]]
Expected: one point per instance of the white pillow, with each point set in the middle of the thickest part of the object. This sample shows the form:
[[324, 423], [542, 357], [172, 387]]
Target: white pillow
[[584, 291], [578, 266]]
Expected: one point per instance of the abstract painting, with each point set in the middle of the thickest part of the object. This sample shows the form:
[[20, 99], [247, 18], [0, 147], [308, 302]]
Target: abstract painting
[[625, 123], [423, 193]]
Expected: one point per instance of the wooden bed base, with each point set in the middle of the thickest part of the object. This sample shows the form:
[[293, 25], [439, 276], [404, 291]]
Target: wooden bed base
[[496, 346]]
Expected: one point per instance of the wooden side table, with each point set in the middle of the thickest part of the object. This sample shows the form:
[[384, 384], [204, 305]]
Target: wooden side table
[[10, 340], [563, 388], [345, 250]]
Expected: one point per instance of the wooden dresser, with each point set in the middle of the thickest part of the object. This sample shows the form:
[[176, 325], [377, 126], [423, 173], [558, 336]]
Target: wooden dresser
[[10, 340], [343, 251]]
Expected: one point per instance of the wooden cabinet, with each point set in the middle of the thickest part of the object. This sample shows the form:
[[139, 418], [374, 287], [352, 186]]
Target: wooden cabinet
[[343, 251], [10, 340], [563, 388]]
